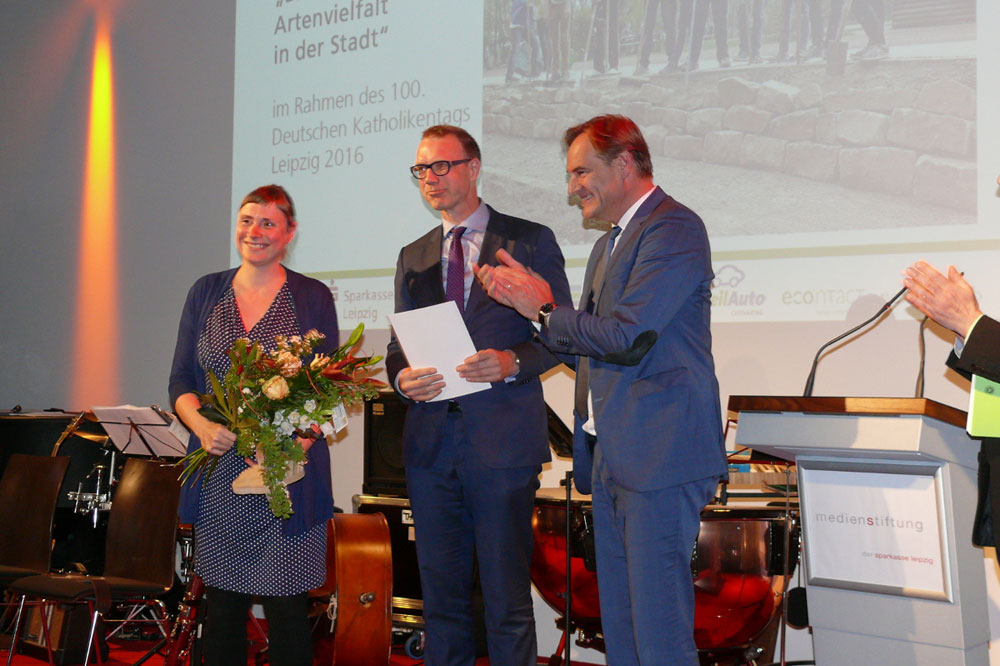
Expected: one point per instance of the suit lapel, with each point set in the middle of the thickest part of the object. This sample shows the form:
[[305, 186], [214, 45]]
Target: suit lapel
[[593, 264], [429, 256], [493, 239], [628, 236]]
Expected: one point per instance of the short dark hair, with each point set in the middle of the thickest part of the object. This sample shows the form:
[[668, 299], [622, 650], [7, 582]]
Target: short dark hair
[[273, 194], [612, 135], [469, 144]]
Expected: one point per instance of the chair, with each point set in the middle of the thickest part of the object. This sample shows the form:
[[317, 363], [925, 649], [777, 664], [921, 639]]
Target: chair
[[139, 557], [29, 491]]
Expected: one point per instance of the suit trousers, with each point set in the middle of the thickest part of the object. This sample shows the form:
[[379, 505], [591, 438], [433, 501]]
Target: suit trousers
[[465, 511], [644, 542]]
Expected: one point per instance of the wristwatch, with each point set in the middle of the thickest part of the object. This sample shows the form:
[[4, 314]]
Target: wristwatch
[[544, 312]]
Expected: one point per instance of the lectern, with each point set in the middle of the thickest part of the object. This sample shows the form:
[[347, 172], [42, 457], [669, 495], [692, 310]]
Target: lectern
[[887, 493]]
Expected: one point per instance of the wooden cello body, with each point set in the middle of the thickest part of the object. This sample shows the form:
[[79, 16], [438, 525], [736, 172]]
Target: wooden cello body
[[357, 596]]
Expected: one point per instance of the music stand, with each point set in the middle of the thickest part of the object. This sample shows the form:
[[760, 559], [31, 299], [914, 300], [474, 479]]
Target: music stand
[[143, 431]]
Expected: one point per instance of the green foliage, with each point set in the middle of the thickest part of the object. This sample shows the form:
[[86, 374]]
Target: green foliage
[[271, 401]]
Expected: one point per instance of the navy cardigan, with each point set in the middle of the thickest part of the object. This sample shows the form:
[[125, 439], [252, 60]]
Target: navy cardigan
[[312, 497]]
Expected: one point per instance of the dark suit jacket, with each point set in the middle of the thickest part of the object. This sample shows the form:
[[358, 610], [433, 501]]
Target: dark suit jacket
[[659, 422], [506, 423], [981, 356]]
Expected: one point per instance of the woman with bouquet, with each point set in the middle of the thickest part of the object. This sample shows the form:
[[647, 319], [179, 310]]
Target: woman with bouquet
[[241, 549]]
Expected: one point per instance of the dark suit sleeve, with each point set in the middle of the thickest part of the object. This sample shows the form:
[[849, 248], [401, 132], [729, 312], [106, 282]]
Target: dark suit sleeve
[[535, 358], [981, 354], [670, 264]]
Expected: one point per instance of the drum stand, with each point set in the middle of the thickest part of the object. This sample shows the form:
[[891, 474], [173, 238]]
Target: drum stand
[[567, 620], [786, 573]]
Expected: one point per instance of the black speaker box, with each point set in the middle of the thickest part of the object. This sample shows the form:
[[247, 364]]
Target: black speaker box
[[405, 574], [383, 470]]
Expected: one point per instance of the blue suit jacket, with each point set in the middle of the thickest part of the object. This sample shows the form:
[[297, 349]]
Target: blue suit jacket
[[659, 422], [506, 423]]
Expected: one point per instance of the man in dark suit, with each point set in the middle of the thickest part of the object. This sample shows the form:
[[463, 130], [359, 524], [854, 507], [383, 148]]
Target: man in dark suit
[[472, 463], [648, 436], [950, 301]]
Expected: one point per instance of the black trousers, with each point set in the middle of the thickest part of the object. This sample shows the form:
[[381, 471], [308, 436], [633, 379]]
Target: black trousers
[[289, 638], [988, 502]]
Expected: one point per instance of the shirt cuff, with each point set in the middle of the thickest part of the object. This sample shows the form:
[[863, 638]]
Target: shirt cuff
[[960, 343], [517, 368]]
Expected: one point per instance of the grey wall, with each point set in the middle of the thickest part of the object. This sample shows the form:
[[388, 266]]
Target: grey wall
[[173, 78]]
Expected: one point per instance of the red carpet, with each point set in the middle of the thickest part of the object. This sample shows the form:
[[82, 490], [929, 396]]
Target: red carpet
[[125, 653]]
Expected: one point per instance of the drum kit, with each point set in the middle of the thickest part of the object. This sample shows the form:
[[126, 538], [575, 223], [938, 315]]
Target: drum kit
[[744, 557]]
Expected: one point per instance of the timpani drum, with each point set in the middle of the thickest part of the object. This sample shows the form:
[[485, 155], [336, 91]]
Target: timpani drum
[[548, 559], [738, 569], [737, 566]]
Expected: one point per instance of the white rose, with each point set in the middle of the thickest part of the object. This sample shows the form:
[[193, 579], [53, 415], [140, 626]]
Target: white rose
[[310, 406]]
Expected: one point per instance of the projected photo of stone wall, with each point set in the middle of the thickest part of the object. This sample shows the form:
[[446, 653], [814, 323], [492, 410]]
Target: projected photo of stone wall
[[808, 135]]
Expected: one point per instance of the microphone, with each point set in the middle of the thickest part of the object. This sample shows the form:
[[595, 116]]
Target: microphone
[[631, 356], [807, 392]]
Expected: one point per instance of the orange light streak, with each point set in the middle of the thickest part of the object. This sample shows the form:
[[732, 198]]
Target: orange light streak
[[96, 342]]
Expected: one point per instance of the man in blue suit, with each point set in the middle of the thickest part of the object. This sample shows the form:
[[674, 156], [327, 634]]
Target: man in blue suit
[[648, 436], [472, 463]]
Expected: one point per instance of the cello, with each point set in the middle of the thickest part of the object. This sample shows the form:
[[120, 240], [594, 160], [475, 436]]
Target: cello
[[353, 609]]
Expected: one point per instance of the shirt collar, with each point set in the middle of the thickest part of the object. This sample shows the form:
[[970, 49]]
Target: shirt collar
[[475, 222], [627, 217]]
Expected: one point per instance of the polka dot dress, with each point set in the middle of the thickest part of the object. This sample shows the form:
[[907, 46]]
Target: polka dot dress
[[239, 545]]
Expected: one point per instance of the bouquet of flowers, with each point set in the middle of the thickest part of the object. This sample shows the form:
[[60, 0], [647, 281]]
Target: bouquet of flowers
[[271, 400]]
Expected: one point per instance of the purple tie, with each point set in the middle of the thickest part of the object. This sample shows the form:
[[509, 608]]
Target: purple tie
[[455, 289]]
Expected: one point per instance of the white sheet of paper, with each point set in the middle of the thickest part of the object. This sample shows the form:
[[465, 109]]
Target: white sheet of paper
[[436, 337], [164, 441]]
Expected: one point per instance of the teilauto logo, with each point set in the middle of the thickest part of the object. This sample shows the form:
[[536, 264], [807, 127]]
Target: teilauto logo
[[725, 292]]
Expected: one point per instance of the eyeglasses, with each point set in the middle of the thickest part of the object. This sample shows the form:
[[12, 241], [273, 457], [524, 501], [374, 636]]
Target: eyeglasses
[[440, 168]]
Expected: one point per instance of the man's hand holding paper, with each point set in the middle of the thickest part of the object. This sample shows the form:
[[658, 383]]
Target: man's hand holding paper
[[444, 364], [488, 365], [420, 384]]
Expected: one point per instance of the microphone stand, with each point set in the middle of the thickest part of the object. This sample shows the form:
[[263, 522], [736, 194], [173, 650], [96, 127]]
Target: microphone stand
[[919, 390], [568, 481], [807, 392]]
